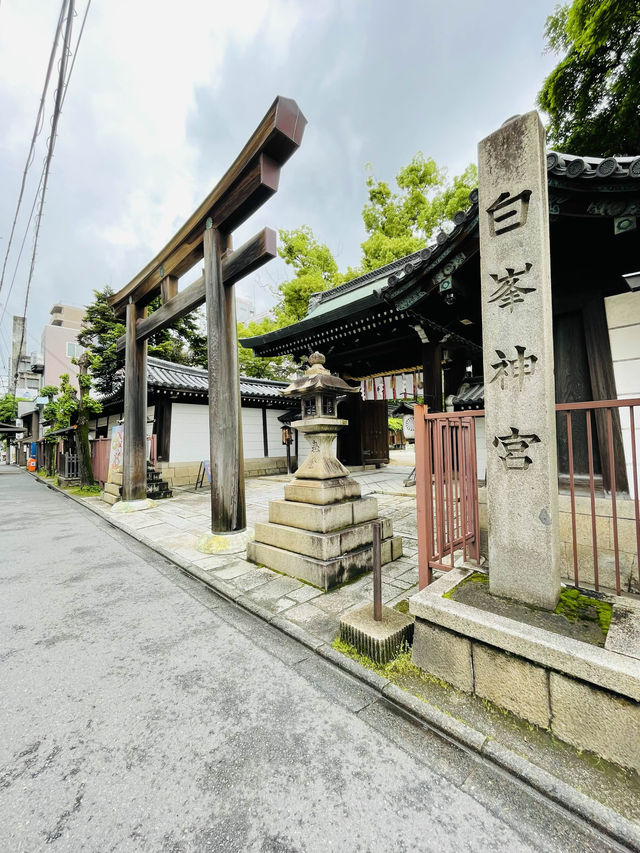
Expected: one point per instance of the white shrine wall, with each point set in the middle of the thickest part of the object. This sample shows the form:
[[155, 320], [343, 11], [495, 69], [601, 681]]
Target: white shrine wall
[[623, 321]]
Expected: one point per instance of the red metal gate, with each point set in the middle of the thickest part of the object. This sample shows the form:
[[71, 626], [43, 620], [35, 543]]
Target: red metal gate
[[446, 489]]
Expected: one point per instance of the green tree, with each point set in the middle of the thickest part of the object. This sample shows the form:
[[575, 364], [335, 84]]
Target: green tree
[[183, 343], [64, 404], [99, 334], [399, 223], [279, 367], [592, 95], [315, 270], [8, 409], [86, 407]]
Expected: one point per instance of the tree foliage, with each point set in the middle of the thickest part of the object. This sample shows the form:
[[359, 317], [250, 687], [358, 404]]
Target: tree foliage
[[401, 222], [249, 364], [183, 343], [398, 222], [315, 270], [8, 409], [63, 404], [592, 95]]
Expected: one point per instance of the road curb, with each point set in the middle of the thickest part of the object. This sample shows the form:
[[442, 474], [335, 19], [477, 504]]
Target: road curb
[[600, 817]]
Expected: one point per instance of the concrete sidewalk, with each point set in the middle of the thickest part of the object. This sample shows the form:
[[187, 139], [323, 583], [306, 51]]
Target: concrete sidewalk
[[176, 524]]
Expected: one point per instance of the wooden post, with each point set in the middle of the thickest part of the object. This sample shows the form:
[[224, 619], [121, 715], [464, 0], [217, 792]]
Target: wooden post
[[134, 480], [228, 513]]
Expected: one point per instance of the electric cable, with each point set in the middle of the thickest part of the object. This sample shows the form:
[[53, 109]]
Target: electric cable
[[51, 145], [35, 200], [36, 132]]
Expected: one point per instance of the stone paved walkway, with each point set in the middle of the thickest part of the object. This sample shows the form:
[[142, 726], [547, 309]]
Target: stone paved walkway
[[177, 523]]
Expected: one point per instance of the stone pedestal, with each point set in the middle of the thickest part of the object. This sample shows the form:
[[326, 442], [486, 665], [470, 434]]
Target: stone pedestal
[[522, 477], [321, 533]]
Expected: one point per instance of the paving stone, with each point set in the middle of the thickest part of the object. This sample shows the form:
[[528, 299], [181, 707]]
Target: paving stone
[[315, 621], [275, 589], [252, 579], [233, 571], [305, 593]]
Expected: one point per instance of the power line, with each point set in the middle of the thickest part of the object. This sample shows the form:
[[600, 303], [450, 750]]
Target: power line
[[52, 141], [37, 193], [36, 133]]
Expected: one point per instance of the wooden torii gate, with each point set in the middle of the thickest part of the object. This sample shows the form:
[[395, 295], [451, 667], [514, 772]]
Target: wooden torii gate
[[251, 180]]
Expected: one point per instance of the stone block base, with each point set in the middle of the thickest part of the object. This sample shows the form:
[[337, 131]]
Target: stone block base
[[512, 683], [443, 654], [108, 498], [67, 482], [322, 492], [381, 641], [324, 518], [321, 546], [391, 547], [597, 720], [321, 573], [112, 489], [585, 695]]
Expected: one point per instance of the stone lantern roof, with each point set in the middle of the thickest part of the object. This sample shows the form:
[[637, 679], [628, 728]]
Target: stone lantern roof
[[317, 379]]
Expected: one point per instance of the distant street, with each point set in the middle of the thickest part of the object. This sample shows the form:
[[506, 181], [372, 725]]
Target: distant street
[[139, 712]]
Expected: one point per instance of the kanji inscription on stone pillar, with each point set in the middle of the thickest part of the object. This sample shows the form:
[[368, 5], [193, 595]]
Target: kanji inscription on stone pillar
[[522, 477]]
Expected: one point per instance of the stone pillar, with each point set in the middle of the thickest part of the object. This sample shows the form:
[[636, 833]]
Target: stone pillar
[[522, 477]]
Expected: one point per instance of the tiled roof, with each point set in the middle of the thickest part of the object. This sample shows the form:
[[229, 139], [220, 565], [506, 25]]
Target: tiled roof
[[470, 395], [181, 377], [604, 168]]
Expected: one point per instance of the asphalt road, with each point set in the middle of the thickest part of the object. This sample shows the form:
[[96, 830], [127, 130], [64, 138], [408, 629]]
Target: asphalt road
[[140, 712]]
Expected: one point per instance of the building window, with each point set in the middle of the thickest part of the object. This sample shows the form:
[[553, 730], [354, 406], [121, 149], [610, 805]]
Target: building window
[[74, 350]]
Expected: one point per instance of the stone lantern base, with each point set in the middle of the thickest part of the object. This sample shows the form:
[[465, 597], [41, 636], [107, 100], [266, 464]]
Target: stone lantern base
[[322, 533]]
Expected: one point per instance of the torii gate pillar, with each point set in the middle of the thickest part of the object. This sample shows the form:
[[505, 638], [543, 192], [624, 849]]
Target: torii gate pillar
[[134, 485], [228, 513]]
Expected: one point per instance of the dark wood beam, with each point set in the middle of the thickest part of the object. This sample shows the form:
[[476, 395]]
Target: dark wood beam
[[245, 260], [228, 513], [168, 288], [252, 179], [134, 481]]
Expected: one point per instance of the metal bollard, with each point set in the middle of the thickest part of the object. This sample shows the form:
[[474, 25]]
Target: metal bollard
[[377, 571]]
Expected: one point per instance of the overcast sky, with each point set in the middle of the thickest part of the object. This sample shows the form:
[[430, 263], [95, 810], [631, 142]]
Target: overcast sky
[[164, 95]]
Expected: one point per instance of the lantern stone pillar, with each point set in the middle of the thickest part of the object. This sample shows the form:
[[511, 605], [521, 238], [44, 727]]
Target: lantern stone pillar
[[522, 477]]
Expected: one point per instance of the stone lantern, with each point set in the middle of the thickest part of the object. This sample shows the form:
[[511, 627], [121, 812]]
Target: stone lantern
[[322, 531], [319, 391]]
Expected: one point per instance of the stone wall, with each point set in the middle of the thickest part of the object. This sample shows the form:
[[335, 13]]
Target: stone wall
[[586, 695], [582, 714], [186, 473]]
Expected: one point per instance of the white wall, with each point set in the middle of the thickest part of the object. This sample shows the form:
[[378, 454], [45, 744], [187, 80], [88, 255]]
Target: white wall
[[274, 433], [190, 433], [623, 320], [252, 440], [481, 449]]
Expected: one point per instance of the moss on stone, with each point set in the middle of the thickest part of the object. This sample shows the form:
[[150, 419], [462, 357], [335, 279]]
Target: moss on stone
[[575, 606]]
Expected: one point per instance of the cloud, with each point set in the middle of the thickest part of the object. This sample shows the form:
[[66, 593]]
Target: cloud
[[163, 97]]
